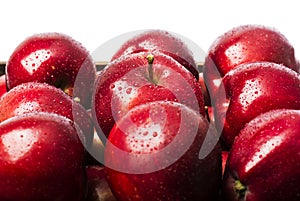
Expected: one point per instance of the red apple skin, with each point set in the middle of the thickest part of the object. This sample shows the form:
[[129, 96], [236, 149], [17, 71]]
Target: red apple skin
[[2, 85], [41, 97], [98, 188], [252, 89], [56, 59], [152, 153], [224, 160], [163, 41], [265, 159], [41, 158], [243, 44], [125, 83]]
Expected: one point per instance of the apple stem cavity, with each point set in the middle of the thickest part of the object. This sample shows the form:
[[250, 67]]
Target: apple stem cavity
[[150, 58], [240, 188]]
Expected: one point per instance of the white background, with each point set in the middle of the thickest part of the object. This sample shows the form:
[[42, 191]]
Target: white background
[[95, 22]]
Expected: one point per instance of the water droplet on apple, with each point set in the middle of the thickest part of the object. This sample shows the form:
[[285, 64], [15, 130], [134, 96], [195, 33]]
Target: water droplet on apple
[[112, 86], [128, 90]]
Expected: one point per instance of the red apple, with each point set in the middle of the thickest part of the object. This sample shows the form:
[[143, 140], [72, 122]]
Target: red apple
[[41, 158], [163, 41], [98, 188], [56, 59], [243, 44], [252, 89], [263, 164], [41, 97], [140, 78], [2, 85], [152, 153]]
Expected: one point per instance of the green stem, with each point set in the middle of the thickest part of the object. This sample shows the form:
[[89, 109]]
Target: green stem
[[150, 58]]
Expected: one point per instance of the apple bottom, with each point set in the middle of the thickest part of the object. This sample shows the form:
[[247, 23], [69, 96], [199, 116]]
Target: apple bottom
[[233, 188], [263, 164], [153, 154]]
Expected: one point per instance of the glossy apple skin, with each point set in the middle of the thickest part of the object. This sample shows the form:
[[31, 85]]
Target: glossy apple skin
[[243, 44], [163, 41], [252, 89], [153, 154], [265, 159], [2, 85], [98, 188], [41, 97], [56, 59], [125, 83], [41, 158]]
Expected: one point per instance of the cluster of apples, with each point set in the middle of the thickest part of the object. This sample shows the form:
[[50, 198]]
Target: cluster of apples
[[253, 79], [45, 127], [147, 126], [147, 102], [151, 115]]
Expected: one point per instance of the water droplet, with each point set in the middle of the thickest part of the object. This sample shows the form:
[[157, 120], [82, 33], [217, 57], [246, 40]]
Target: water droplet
[[128, 90], [112, 86]]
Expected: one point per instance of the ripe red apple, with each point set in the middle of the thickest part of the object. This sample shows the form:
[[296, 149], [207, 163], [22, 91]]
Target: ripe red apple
[[98, 188], [2, 85], [41, 97], [56, 59], [243, 44], [263, 164], [163, 41], [252, 89], [140, 78], [152, 153], [41, 158]]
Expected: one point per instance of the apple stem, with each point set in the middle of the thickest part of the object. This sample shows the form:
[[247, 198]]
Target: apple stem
[[240, 188], [150, 58]]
